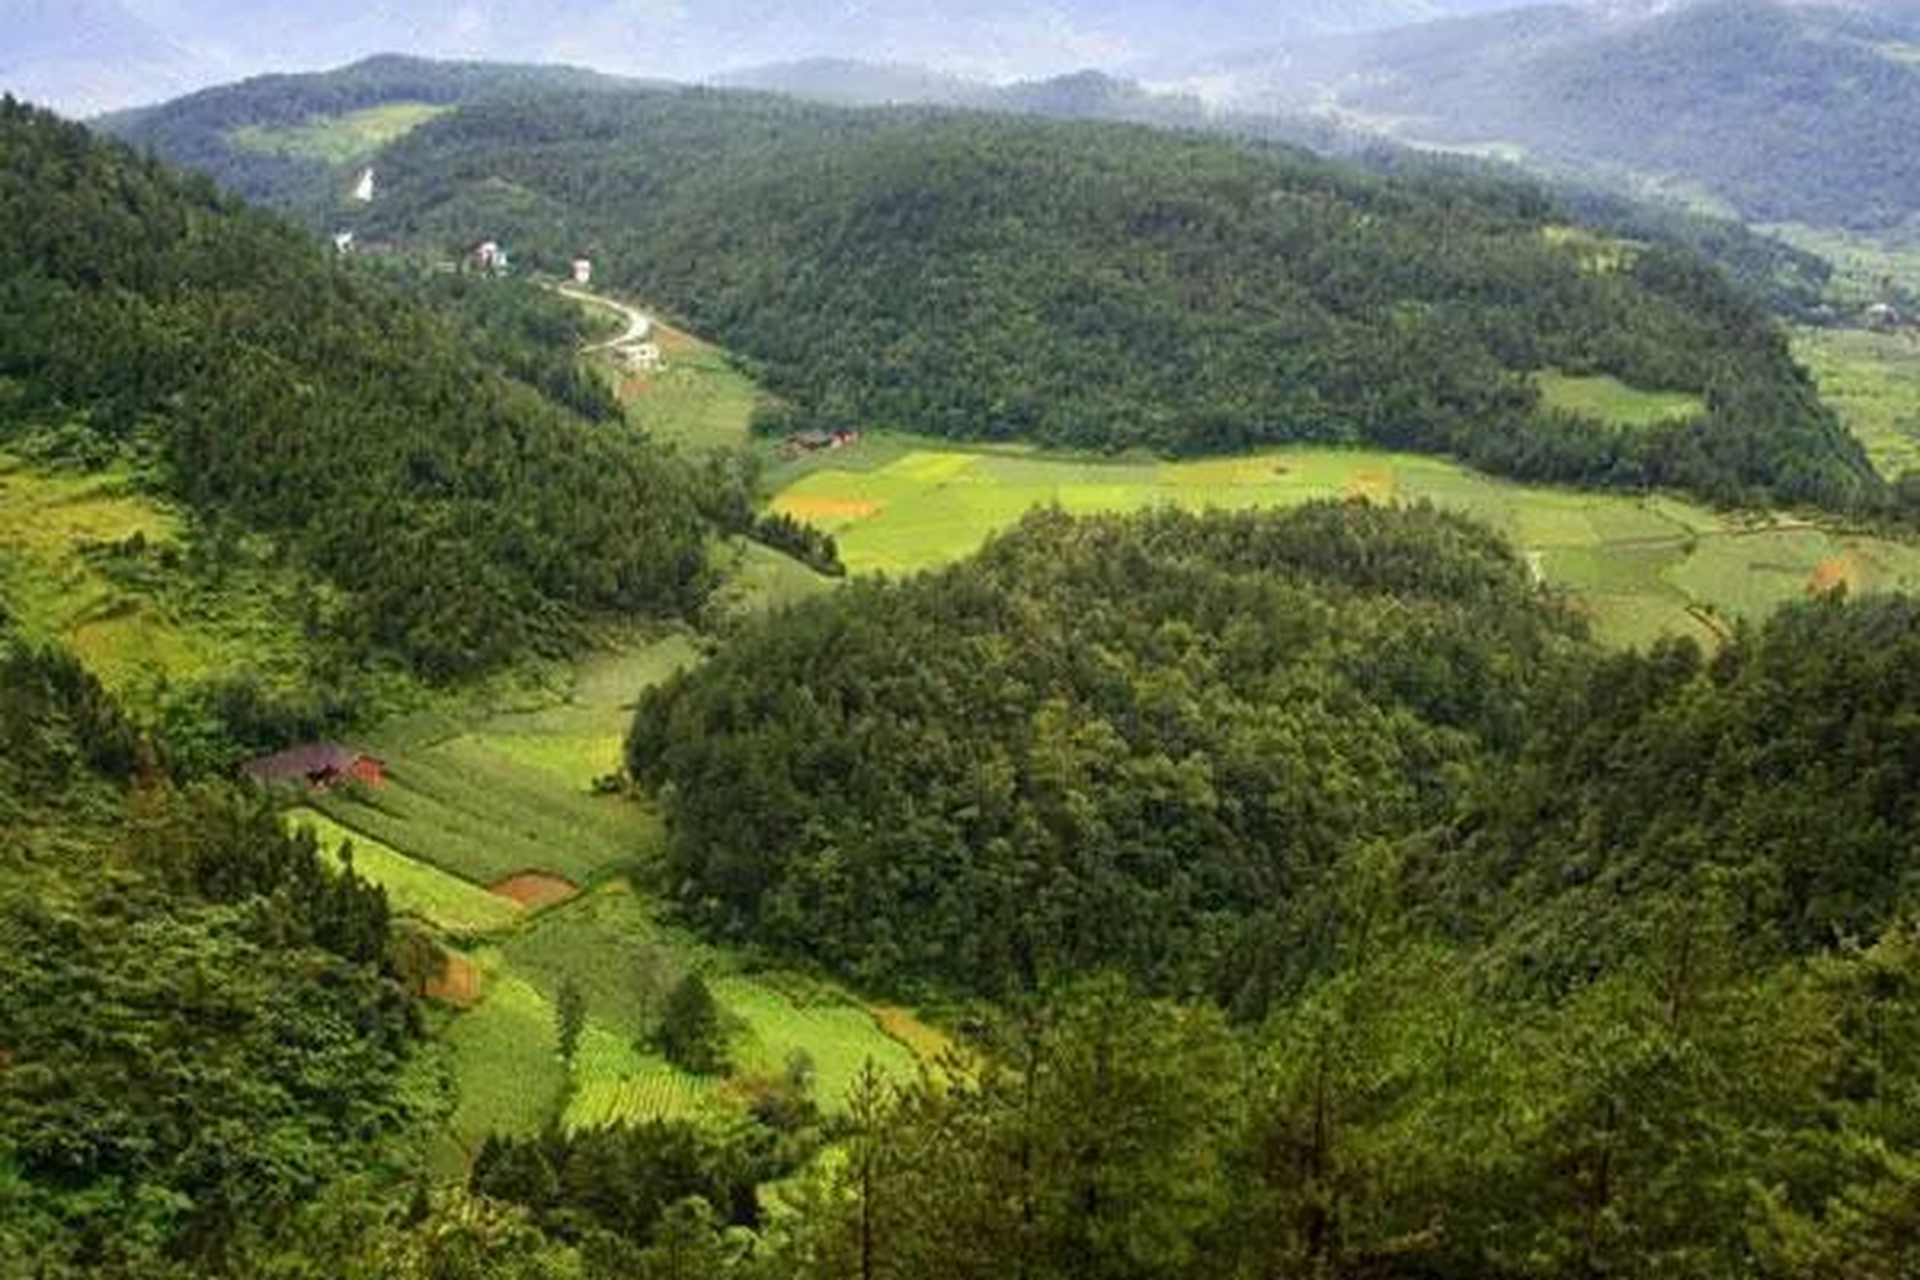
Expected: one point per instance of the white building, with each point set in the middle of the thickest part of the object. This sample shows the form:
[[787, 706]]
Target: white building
[[583, 271], [363, 189]]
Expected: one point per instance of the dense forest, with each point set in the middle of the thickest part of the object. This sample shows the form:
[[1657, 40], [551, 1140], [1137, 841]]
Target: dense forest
[[390, 448], [1511, 957], [1106, 286], [200, 1022], [1165, 744], [1103, 743]]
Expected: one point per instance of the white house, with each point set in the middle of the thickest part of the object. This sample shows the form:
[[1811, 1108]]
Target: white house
[[489, 256], [343, 241], [363, 189], [583, 271], [643, 357]]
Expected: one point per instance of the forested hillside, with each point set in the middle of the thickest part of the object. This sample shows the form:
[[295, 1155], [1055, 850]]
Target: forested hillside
[[466, 516], [1790, 113], [1167, 744], [200, 1022], [1102, 286], [1533, 961], [1104, 743], [226, 132]]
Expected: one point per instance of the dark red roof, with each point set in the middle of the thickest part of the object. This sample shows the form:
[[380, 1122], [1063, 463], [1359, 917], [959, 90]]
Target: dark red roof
[[304, 763]]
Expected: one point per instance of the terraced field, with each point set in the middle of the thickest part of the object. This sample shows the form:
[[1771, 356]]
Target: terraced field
[[1642, 567]]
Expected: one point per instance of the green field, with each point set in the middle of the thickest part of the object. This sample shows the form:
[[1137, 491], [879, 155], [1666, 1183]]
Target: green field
[[506, 1062], [91, 562], [414, 888], [1641, 566], [698, 401], [1873, 381], [339, 139], [1612, 401]]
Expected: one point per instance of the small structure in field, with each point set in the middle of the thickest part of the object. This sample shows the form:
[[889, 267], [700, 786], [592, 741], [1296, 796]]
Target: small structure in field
[[817, 441], [363, 189], [583, 271], [343, 241], [488, 255], [318, 766], [643, 357]]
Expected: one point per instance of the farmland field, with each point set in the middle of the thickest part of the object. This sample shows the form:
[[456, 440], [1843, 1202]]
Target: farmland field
[[339, 139], [1612, 401], [414, 888], [1873, 381], [1641, 566]]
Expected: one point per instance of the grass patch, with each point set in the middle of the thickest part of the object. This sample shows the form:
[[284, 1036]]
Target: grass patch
[[91, 563], [339, 139], [841, 1037], [1873, 381], [1609, 400], [414, 888]]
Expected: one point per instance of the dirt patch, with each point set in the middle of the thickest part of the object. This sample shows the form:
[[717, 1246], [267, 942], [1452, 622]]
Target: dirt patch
[[1370, 483], [633, 388], [533, 890], [1846, 570], [803, 507], [458, 984]]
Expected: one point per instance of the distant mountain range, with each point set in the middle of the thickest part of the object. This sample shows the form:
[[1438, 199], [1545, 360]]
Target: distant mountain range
[[87, 55], [1800, 113]]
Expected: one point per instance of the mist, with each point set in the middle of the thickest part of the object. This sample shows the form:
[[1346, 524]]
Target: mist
[[85, 56]]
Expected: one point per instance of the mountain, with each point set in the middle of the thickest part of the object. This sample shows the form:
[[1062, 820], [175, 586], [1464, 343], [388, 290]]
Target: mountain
[[1787, 113], [464, 517], [216, 40], [227, 132], [1104, 286]]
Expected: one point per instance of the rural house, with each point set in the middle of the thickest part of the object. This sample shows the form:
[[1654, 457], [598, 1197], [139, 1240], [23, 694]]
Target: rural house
[[317, 766], [583, 271]]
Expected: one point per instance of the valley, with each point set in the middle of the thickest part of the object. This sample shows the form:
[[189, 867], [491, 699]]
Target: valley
[[997, 696]]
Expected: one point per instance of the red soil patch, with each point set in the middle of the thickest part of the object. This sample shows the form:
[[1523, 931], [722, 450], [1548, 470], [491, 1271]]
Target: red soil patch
[[533, 890], [458, 983], [1838, 571]]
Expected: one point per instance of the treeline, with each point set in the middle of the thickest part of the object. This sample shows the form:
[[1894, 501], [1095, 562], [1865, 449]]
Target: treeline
[[200, 1022], [1106, 286], [1105, 743], [467, 516]]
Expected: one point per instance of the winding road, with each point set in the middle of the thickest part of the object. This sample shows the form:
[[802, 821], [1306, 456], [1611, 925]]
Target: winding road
[[639, 324]]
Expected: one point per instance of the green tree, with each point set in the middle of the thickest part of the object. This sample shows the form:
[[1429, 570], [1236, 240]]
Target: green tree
[[692, 1031], [570, 1018]]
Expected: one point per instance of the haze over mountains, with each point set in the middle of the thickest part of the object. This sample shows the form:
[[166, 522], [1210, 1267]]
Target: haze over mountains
[[91, 55]]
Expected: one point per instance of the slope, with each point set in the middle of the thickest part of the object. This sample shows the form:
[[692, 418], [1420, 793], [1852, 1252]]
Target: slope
[[1112, 287], [268, 389]]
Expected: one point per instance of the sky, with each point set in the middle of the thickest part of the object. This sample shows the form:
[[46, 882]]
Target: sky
[[83, 56]]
